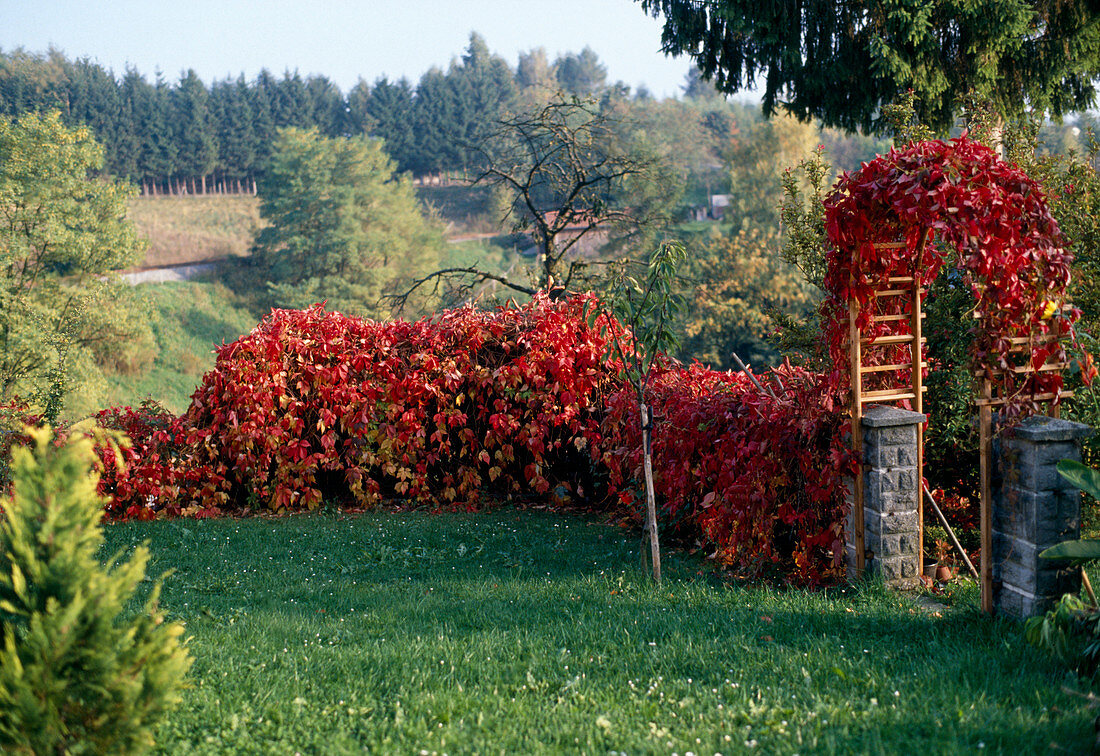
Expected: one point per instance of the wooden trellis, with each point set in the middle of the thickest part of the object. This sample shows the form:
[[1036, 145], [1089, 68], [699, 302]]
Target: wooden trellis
[[991, 396], [904, 297]]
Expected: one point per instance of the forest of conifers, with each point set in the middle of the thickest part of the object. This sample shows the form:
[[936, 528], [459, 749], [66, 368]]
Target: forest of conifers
[[187, 137]]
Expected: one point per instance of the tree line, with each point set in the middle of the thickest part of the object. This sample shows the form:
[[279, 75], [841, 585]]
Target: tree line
[[187, 137]]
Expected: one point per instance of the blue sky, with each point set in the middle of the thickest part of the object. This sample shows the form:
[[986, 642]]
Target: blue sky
[[342, 39]]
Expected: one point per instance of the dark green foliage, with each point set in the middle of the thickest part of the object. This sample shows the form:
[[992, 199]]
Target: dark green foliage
[[233, 118], [386, 111], [197, 150], [841, 61], [75, 677]]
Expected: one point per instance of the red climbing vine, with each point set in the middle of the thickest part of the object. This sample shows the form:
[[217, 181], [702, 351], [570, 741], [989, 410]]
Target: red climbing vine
[[1011, 252]]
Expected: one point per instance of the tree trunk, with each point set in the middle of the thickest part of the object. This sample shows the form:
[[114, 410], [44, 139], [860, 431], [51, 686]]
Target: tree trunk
[[650, 497], [547, 263]]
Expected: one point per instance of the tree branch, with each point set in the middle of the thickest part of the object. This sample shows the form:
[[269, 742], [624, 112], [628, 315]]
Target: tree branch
[[397, 302]]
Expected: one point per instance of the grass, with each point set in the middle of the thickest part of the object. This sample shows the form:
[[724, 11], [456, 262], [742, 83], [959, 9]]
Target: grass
[[188, 319], [528, 632], [193, 229]]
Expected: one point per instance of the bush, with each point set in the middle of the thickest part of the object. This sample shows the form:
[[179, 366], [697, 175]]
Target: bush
[[314, 404], [758, 476], [74, 677], [144, 482], [1070, 632]]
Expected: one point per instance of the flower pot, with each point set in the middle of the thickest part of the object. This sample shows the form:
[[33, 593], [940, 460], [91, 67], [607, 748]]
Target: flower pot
[[930, 570], [944, 572]]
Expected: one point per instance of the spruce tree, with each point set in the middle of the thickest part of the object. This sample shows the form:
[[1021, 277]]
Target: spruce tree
[[841, 61], [76, 676]]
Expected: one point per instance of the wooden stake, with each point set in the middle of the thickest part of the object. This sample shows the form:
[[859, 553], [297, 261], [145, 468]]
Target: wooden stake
[[651, 503], [857, 434], [915, 313], [985, 448], [746, 371], [1088, 587], [950, 534]]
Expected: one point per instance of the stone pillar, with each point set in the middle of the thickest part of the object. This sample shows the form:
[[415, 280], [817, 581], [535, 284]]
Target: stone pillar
[[1033, 508], [891, 495]]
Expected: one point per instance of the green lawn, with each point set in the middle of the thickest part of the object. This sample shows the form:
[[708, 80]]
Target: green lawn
[[527, 632]]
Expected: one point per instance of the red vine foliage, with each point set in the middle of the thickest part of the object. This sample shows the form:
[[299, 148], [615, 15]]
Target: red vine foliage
[[315, 404], [759, 477], [1011, 253]]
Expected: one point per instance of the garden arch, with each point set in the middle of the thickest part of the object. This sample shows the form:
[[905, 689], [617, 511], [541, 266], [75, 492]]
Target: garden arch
[[891, 227]]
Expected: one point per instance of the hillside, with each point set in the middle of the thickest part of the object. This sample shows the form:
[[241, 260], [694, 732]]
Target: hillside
[[188, 320], [191, 229], [195, 229]]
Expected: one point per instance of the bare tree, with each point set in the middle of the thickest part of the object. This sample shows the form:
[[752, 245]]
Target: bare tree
[[563, 170]]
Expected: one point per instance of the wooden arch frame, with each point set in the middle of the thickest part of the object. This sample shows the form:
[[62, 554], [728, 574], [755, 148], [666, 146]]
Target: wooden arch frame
[[880, 222]]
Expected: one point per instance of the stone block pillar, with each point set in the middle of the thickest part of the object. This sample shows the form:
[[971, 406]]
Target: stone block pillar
[[891, 495], [1033, 508]]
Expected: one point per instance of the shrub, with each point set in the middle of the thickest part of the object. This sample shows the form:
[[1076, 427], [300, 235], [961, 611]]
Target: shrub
[[74, 677], [759, 476], [138, 476], [1070, 632], [314, 404]]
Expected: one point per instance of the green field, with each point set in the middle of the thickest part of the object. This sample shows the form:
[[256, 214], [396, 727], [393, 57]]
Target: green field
[[530, 632]]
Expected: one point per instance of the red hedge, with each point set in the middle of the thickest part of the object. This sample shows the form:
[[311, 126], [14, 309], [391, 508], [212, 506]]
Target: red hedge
[[313, 403], [757, 476]]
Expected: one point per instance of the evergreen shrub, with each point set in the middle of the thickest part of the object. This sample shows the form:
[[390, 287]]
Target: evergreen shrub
[[77, 674]]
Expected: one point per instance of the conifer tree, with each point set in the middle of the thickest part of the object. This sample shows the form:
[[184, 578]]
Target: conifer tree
[[840, 61], [74, 676], [194, 132], [389, 112]]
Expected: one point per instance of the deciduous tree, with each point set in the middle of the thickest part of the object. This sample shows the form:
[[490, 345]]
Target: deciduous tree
[[62, 232], [569, 169], [341, 226]]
